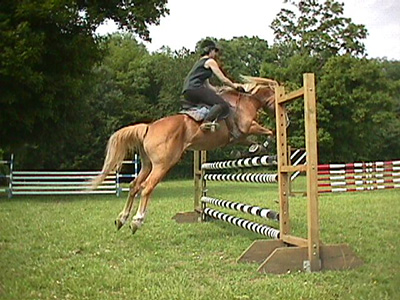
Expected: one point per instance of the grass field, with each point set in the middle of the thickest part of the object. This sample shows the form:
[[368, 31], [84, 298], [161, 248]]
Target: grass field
[[67, 248]]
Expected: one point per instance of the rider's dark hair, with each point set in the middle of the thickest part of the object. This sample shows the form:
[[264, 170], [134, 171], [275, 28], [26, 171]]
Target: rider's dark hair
[[207, 46]]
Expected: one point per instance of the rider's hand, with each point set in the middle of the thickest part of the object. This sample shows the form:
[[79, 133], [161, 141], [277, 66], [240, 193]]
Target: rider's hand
[[239, 87]]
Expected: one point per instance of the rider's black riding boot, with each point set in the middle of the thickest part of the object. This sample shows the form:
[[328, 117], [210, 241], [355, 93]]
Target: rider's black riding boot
[[214, 113], [232, 128], [209, 123]]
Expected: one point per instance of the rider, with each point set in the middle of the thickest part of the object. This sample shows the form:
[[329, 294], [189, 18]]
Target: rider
[[197, 88]]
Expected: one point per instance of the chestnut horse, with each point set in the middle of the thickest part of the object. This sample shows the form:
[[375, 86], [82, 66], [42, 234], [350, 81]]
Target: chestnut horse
[[162, 143]]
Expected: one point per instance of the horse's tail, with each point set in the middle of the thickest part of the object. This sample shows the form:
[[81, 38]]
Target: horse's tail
[[123, 141]]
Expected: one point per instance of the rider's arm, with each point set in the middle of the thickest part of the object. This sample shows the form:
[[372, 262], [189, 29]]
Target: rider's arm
[[210, 86], [212, 64]]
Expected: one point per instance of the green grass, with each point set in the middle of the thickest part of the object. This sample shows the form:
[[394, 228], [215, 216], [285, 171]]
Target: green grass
[[68, 248]]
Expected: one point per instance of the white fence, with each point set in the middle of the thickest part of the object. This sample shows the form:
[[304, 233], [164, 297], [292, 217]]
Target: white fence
[[64, 182], [8, 177]]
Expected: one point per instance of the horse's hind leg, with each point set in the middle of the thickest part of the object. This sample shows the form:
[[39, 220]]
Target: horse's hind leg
[[156, 175], [134, 190]]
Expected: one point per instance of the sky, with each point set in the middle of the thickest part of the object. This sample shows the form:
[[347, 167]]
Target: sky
[[190, 21]]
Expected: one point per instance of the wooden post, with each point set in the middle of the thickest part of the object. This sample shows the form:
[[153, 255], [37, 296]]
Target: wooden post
[[282, 156], [199, 157], [197, 179], [310, 118]]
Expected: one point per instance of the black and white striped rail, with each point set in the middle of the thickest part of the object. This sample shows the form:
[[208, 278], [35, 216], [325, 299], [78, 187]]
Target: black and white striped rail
[[243, 177], [257, 161], [265, 213], [243, 223]]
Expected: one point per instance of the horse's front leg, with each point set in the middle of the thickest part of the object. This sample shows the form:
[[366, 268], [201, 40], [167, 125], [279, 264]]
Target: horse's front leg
[[257, 129]]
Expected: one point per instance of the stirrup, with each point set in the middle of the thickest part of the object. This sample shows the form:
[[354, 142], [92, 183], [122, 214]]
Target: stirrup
[[210, 126]]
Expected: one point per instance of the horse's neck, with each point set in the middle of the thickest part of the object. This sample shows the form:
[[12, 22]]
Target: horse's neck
[[245, 108]]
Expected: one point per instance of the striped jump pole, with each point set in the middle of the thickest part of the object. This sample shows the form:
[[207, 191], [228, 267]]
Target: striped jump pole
[[245, 208], [299, 159], [257, 161], [243, 177], [243, 223]]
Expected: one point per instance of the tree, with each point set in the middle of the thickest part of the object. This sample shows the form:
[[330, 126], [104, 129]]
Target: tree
[[131, 86], [306, 37], [243, 56], [47, 51], [357, 116], [391, 69], [115, 98], [316, 38], [319, 30]]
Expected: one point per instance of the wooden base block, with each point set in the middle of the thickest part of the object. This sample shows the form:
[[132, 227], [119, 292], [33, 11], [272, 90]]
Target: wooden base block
[[293, 259], [338, 257], [284, 260], [259, 251], [187, 217]]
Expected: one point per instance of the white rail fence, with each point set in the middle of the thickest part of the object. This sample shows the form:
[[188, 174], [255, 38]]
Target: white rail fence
[[23, 183]]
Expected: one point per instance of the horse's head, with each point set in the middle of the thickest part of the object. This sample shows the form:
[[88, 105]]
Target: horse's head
[[262, 90]]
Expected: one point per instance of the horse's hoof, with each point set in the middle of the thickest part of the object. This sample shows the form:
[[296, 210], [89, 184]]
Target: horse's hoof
[[119, 224], [235, 154], [254, 149], [134, 227]]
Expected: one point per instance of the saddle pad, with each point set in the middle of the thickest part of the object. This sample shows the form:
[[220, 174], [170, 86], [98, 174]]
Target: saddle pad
[[196, 113]]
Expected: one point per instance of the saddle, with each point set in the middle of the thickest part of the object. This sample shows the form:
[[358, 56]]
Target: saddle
[[199, 111]]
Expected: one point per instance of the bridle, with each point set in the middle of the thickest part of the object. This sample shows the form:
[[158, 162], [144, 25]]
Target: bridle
[[264, 104]]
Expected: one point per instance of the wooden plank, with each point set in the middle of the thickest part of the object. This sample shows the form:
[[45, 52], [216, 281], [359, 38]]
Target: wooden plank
[[259, 251], [292, 96], [294, 240], [291, 169], [310, 118]]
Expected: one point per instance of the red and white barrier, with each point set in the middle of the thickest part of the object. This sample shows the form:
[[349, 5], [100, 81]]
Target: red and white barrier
[[353, 177]]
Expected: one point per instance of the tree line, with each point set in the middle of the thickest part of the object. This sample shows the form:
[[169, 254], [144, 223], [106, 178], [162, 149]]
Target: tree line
[[64, 90]]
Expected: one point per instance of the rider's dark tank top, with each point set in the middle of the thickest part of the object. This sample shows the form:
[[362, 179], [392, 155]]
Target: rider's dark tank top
[[197, 76]]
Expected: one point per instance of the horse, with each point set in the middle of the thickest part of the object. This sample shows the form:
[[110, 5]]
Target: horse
[[162, 143]]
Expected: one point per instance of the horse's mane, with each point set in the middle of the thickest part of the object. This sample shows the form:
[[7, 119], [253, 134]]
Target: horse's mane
[[253, 84]]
